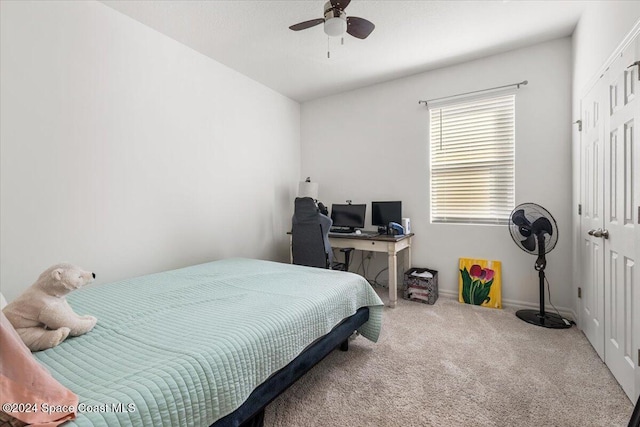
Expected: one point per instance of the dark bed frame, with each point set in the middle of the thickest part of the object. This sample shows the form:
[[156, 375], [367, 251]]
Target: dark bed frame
[[635, 416], [251, 412]]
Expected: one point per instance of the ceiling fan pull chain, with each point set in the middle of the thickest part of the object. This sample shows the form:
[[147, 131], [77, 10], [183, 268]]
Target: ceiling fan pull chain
[[342, 41], [328, 49]]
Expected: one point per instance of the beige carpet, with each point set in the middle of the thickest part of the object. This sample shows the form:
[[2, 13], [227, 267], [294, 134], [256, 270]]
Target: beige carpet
[[452, 364]]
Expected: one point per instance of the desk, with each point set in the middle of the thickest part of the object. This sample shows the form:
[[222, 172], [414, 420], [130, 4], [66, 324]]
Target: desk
[[379, 243]]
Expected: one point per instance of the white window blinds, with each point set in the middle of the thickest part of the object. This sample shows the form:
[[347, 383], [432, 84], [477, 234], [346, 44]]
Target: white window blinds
[[472, 161]]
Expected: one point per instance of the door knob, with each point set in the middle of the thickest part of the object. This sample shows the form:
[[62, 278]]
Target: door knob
[[601, 233], [590, 232]]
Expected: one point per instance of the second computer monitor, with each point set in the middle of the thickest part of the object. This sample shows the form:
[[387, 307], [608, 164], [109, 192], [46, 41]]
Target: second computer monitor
[[382, 213], [348, 216]]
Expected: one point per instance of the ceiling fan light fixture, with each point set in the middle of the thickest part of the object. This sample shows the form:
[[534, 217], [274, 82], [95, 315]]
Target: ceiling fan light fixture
[[335, 27], [336, 23]]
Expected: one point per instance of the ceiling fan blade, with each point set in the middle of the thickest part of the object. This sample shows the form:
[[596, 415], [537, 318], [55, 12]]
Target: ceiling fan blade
[[529, 243], [542, 224], [306, 24], [340, 4], [359, 27]]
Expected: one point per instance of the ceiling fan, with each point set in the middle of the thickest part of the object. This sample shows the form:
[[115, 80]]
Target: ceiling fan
[[336, 21]]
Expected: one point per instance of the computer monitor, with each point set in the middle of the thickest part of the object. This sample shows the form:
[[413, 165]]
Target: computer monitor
[[348, 216], [382, 213]]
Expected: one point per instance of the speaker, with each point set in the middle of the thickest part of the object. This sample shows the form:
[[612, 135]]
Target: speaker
[[406, 224]]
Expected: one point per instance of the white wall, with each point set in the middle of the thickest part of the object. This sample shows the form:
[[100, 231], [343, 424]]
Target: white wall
[[127, 153], [602, 27], [372, 144]]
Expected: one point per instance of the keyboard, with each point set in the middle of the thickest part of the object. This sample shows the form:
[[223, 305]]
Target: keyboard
[[363, 233], [340, 230]]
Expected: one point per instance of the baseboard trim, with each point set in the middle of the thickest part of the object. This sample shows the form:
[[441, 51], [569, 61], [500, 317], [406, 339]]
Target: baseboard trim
[[565, 312]]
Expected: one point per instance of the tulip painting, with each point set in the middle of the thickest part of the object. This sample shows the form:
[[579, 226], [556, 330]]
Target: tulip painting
[[480, 282]]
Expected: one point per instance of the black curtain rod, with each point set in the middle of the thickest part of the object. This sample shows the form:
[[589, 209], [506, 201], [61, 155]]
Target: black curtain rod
[[517, 85]]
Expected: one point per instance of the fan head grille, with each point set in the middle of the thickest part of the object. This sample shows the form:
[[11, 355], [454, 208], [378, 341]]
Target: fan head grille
[[527, 222]]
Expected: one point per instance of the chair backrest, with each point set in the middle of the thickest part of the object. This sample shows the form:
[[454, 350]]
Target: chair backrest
[[307, 235]]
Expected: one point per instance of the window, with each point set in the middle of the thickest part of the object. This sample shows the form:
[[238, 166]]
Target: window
[[472, 160]]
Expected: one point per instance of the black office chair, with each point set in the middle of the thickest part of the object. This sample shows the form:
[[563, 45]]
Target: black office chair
[[310, 237]]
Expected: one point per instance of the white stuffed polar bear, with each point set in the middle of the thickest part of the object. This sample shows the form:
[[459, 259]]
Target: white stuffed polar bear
[[42, 316]]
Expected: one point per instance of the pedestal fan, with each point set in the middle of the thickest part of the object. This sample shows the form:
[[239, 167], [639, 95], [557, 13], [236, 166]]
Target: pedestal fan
[[535, 231]]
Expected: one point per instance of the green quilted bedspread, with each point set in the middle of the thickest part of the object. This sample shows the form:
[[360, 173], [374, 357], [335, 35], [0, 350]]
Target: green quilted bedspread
[[188, 346]]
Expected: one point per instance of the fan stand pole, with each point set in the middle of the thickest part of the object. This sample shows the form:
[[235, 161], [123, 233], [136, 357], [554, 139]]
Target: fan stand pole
[[540, 317], [541, 278]]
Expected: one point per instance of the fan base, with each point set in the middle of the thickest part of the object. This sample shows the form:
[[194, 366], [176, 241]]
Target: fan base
[[548, 320]]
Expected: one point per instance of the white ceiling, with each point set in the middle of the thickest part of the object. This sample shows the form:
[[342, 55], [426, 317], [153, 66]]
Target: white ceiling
[[253, 36]]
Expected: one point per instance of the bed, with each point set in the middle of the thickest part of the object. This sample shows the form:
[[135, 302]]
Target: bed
[[209, 344]]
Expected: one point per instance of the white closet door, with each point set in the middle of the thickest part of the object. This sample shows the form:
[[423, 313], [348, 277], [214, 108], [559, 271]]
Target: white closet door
[[636, 280], [620, 219], [592, 187]]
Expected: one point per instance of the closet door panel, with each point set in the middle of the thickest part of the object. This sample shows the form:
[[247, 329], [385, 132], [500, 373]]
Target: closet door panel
[[620, 221], [592, 192]]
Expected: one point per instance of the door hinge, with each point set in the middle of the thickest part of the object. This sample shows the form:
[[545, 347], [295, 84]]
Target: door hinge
[[580, 209], [639, 357], [638, 214], [579, 123], [579, 292]]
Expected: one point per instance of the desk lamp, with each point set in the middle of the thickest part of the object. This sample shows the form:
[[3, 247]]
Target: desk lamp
[[308, 189]]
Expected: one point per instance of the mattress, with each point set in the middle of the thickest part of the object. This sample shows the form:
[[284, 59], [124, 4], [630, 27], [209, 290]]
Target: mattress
[[188, 346]]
